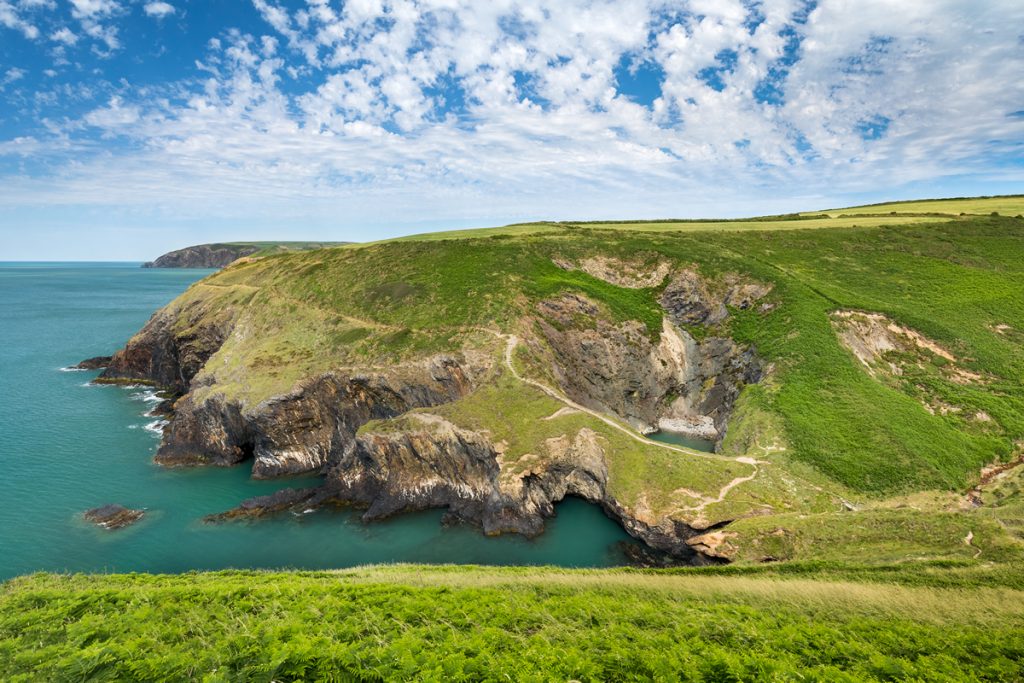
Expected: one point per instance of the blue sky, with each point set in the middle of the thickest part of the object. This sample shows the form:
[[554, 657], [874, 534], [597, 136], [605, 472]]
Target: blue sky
[[131, 127]]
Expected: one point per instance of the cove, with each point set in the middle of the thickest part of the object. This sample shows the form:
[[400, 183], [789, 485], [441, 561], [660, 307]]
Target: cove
[[66, 446]]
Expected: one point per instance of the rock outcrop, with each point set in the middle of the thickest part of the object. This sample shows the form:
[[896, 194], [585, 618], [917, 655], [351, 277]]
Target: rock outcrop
[[113, 516], [675, 383], [309, 428], [94, 363], [221, 255], [429, 463]]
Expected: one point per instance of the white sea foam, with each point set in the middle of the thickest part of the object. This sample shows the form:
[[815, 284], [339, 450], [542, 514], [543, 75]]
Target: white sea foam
[[148, 395], [156, 427], [71, 368]]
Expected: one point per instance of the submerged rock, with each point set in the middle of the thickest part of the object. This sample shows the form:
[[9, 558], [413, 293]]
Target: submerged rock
[[113, 516]]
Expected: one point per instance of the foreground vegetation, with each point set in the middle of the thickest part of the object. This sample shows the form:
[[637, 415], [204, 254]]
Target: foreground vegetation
[[952, 622]]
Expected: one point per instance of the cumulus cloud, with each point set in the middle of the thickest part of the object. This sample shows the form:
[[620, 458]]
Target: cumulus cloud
[[115, 115], [12, 19], [93, 15], [486, 110], [159, 9], [64, 35]]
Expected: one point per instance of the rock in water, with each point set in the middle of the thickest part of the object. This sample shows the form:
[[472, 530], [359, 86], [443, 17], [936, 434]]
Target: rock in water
[[113, 516], [95, 363]]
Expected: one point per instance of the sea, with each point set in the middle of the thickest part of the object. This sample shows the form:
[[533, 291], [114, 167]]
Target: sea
[[67, 445]]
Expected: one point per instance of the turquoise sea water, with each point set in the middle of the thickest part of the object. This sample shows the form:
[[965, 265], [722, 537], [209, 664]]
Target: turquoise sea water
[[66, 446]]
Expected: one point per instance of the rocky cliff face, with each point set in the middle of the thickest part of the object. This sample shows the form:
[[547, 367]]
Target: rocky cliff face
[[675, 383], [203, 256], [431, 463], [310, 428], [171, 349]]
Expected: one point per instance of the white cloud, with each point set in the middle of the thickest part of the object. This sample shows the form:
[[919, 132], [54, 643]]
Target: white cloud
[[11, 75], [462, 109], [114, 116], [159, 9], [82, 9], [64, 35], [10, 18], [93, 14]]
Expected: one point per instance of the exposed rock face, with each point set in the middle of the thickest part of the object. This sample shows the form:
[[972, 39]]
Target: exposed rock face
[[689, 299], [311, 427], [203, 256], [302, 431], [676, 383], [888, 348], [890, 352], [162, 354], [112, 516], [633, 274], [432, 463]]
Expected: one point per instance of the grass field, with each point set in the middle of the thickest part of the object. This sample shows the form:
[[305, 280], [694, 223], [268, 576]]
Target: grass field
[[953, 622], [870, 216], [1011, 205], [550, 228]]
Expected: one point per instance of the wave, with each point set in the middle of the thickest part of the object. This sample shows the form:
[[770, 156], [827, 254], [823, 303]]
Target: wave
[[147, 394], [72, 368], [156, 427]]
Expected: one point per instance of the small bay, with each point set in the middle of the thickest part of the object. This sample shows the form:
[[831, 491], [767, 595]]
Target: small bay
[[67, 446]]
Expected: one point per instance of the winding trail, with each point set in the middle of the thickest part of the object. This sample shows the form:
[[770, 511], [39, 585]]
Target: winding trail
[[511, 341]]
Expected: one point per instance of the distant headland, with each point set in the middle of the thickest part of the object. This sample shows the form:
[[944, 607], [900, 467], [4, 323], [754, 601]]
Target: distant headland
[[220, 254]]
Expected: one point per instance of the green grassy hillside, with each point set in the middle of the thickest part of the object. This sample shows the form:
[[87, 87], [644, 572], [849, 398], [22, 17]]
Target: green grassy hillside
[[812, 623], [831, 434]]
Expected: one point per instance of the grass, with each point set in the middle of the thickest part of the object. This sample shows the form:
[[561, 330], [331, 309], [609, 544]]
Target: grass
[[277, 247], [490, 624], [1008, 205], [560, 228], [766, 225]]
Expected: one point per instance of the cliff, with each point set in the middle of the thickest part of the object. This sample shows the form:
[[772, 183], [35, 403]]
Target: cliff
[[220, 255], [494, 377]]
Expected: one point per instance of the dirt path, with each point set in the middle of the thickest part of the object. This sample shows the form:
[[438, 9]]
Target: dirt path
[[511, 341]]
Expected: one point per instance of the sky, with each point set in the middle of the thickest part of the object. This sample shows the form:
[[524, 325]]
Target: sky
[[132, 127]]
